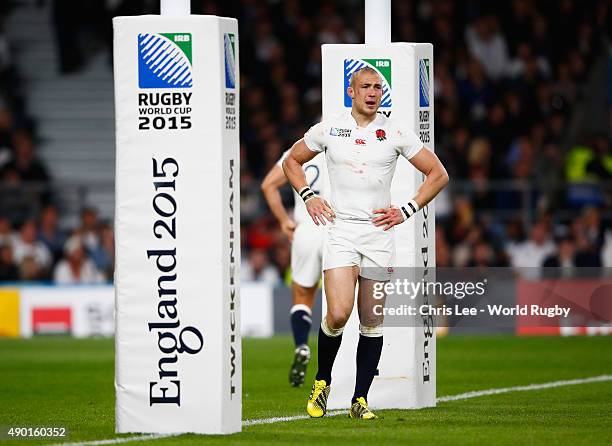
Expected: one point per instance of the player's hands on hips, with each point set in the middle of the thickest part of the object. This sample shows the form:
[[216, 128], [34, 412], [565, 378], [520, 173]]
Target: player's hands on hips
[[388, 217], [288, 227], [320, 210]]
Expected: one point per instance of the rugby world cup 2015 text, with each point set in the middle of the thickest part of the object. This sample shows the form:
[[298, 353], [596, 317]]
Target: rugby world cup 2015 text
[[164, 111]]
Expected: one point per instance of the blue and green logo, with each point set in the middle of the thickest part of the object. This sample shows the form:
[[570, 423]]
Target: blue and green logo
[[381, 66], [229, 44], [164, 60], [423, 82]]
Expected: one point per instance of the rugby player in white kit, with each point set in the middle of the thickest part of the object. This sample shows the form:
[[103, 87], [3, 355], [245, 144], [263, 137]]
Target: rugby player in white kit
[[361, 149], [306, 251]]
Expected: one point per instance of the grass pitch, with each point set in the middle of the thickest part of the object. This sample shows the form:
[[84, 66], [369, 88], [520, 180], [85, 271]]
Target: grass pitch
[[67, 382]]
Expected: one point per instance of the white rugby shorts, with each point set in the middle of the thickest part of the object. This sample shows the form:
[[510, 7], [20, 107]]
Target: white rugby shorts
[[357, 243], [306, 253]]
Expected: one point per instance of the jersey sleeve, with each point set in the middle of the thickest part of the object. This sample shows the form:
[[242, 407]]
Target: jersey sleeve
[[408, 143], [315, 137]]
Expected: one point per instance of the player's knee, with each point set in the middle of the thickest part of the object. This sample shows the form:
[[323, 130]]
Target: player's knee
[[331, 329], [303, 295], [370, 319], [371, 332], [337, 317]]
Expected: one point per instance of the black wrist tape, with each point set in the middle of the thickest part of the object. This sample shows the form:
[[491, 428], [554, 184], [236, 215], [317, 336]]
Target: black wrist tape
[[306, 193], [410, 209]]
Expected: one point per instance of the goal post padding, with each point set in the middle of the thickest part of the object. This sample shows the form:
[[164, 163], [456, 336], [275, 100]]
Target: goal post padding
[[177, 222]]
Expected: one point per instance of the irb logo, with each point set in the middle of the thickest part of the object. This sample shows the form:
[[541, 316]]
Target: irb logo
[[381, 66], [229, 45], [164, 60], [423, 82]]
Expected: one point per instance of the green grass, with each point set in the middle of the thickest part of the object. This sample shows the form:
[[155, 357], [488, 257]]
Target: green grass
[[67, 382]]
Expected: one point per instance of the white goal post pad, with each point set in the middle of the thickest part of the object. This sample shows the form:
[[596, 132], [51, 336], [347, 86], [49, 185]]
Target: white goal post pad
[[407, 368], [177, 221]]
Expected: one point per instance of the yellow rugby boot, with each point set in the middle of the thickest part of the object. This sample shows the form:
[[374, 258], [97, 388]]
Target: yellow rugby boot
[[359, 409], [317, 401]]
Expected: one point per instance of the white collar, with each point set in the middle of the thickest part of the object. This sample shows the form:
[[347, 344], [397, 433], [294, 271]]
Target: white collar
[[349, 117]]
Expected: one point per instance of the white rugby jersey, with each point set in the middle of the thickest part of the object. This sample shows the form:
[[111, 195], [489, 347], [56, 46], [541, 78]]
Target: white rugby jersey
[[361, 161], [314, 177]]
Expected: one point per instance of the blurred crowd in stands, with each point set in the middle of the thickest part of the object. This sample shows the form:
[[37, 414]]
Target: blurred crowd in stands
[[39, 250], [507, 79], [34, 246], [529, 185]]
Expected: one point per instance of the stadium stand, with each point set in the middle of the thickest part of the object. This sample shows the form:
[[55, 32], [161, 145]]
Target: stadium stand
[[520, 122]]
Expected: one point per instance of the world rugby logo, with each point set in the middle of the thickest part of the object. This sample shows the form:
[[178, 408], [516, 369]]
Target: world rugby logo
[[164, 60]]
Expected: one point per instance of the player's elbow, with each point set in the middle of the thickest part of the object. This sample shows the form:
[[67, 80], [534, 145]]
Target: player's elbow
[[288, 164], [265, 187], [266, 183], [442, 177]]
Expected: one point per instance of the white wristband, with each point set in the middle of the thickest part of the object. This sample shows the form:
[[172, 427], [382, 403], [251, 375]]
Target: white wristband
[[409, 209]]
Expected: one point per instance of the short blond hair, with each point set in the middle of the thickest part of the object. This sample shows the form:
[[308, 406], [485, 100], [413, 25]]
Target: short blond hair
[[360, 71]]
